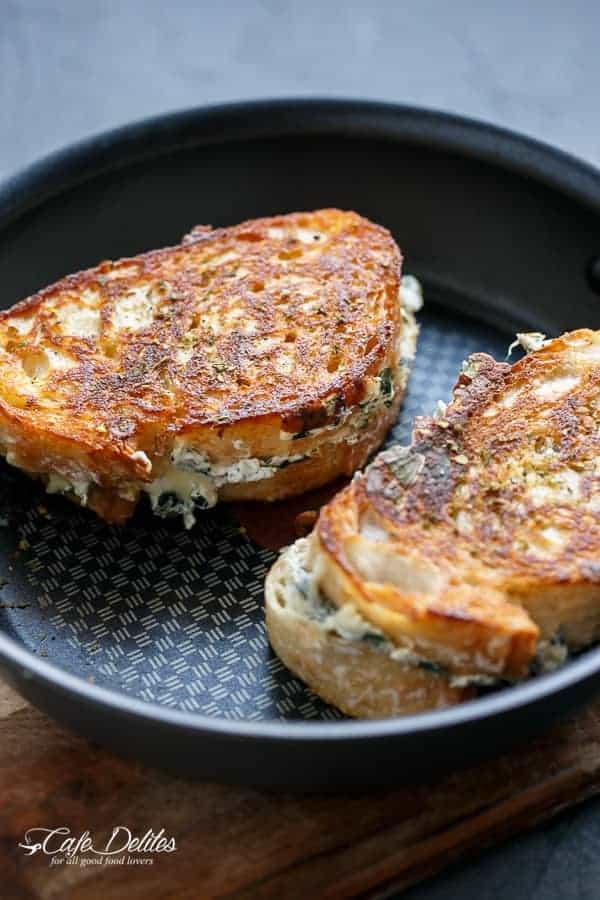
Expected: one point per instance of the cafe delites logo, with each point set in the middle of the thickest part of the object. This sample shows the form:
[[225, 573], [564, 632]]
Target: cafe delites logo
[[122, 847]]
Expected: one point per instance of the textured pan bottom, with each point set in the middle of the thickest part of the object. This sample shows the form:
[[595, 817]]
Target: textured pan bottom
[[170, 616]]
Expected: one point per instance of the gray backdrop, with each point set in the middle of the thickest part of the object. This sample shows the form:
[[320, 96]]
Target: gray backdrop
[[68, 69]]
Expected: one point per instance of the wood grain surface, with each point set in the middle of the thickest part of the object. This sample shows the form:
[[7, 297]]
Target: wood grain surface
[[251, 843]]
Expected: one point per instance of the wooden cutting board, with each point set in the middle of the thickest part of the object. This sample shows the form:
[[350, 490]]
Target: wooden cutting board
[[251, 843]]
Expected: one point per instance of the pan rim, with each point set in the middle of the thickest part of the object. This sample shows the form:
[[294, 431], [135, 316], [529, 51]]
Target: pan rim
[[291, 116], [353, 119], [507, 699]]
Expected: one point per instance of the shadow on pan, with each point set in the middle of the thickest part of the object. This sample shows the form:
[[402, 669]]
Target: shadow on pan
[[146, 636]]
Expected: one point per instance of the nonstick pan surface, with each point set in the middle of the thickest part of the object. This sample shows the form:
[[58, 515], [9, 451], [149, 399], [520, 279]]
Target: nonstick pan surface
[[150, 639]]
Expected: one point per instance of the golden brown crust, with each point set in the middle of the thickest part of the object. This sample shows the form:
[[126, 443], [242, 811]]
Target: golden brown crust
[[484, 535], [240, 336], [338, 294]]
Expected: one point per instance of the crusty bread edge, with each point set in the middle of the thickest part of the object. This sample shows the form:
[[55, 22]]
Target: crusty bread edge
[[350, 674]]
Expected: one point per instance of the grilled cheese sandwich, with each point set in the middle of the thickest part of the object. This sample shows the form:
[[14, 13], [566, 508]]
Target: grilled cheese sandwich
[[468, 559], [251, 362]]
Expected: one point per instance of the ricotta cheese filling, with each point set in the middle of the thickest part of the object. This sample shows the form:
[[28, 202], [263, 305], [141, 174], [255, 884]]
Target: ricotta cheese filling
[[180, 493], [247, 469], [529, 341], [411, 293], [192, 481], [58, 484]]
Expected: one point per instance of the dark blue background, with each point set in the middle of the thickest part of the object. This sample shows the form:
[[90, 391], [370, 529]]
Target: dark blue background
[[68, 69]]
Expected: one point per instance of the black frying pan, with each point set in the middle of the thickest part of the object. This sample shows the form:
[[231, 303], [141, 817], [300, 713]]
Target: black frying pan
[[149, 639]]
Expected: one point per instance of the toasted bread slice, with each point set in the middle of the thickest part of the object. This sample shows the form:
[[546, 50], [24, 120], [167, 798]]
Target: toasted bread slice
[[251, 362], [472, 556]]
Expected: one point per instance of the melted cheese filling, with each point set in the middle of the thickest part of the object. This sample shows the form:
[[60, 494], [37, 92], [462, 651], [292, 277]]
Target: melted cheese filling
[[59, 484], [192, 481], [184, 491], [240, 471]]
